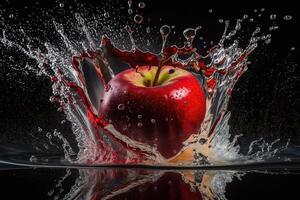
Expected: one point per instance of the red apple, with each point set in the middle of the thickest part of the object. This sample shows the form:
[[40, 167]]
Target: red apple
[[162, 114]]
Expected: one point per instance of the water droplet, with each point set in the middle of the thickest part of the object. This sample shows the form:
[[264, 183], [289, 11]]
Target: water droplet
[[148, 43], [245, 16], [153, 121], [190, 34], [148, 29], [259, 15], [121, 106], [221, 20], [165, 30], [106, 15], [130, 11], [33, 159], [138, 19], [273, 17], [129, 3], [139, 116], [11, 16], [202, 141], [61, 5], [128, 29], [140, 124], [142, 5], [268, 41], [40, 129], [210, 10], [262, 9], [292, 48], [255, 10], [251, 20], [171, 71], [287, 17]]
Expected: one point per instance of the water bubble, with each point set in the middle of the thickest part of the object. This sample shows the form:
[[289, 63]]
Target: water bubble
[[138, 19], [190, 33], [148, 29], [165, 30], [262, 9], [140, 124], [61, 5], [273, 17], [251, 20], [106, 15], [121, 106], [287, 17], [292, 48], [148, 43], [210, 10], [142, 5], [140, 116], [259, 15], [245, 16], [202, 141], [40, 129], [171, 71], [130, 11], [221, 20], [11, 16], [153, 121], [255, 10]]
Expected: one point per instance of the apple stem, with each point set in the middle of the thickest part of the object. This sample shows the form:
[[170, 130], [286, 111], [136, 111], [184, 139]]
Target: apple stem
[[157, 75]]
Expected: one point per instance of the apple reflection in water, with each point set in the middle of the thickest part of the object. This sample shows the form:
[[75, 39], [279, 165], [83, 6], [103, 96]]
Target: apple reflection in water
[[113, 183]]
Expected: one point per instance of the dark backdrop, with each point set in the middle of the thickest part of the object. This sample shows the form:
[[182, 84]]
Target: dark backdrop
[[265, 101]]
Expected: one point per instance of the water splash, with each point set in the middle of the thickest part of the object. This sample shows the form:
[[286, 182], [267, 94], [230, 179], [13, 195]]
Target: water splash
[[78, 84]]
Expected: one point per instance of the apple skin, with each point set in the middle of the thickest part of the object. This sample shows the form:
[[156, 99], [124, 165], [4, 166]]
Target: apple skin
[[164, 115]]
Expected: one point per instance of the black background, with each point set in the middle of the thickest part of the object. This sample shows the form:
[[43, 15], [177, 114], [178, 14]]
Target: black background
[[265, 101]]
